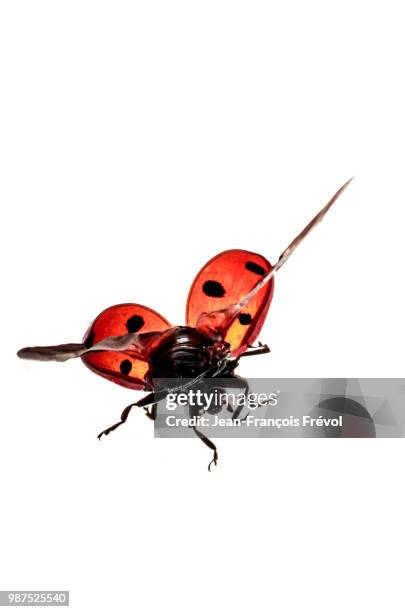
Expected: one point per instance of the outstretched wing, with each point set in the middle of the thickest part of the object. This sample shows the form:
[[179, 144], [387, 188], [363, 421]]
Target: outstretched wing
[[116, 346], [218, 323], [224, 281]]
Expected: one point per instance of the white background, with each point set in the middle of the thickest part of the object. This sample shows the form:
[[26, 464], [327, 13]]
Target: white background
[[138, 139]]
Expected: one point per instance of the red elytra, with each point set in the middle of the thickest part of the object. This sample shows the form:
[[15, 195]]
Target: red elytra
[[222, 282]]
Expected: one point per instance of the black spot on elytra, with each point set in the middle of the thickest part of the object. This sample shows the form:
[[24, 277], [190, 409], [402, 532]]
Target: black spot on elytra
[[88, 343], [135, 323], [245, 318], [255, 268], [213, 288], [125, 366]]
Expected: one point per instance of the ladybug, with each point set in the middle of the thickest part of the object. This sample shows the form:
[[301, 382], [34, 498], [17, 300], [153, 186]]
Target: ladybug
[[134, 346]]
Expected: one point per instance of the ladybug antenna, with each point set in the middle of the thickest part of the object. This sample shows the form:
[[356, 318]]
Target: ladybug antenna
[[292, 246]]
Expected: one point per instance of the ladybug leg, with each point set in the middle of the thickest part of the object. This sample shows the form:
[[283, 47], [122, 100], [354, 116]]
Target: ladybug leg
[[142, 403], [235, 381], [240, 383], [261, 349], [151, 414], [232, 364], [210, 445]]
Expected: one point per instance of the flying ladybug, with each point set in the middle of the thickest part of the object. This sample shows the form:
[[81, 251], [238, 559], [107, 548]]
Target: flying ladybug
[[134, 346]]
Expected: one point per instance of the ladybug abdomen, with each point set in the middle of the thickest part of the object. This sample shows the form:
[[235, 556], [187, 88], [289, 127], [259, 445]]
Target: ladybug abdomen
[[181, 354]]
